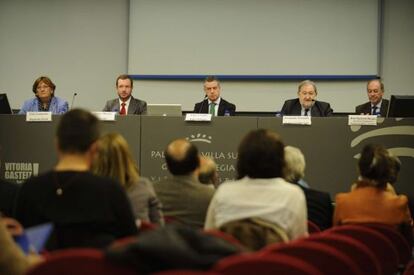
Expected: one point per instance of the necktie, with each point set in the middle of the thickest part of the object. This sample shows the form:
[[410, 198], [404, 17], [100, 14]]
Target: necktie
[[213, 109], [123, 110], [306, 112], [374, 110]]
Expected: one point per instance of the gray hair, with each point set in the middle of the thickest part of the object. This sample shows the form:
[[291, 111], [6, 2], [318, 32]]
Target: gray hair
[[307, 82], [295, 164]]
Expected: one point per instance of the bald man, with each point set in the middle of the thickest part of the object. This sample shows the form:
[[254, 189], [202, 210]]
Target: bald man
[[183, 197]]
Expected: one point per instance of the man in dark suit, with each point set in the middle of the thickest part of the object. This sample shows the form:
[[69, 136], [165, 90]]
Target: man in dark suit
[[125, 103], [213, 103], [376, 105], [305, 104], [319, 204]]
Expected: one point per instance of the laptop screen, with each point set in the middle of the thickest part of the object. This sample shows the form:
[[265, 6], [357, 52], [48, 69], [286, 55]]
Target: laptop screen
[[4, 105], [164, 110]]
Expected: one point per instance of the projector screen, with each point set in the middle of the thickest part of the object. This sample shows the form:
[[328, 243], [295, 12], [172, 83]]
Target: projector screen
[[250, 38]]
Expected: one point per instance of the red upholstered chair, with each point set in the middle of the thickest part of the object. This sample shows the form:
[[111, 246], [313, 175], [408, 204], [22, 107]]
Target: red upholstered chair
[[357, 251], [80, 261], [327, 259], [249, 264], [398, 240], [409, 270], [313, 227], [383, 249]]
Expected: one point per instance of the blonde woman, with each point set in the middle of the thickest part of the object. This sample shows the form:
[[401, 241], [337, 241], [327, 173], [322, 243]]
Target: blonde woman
[[114, 160]]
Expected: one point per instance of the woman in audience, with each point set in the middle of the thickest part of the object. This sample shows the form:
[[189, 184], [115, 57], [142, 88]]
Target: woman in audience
[[114, 160], [319, 204], [260, 207], [45, 100], [370, 201]]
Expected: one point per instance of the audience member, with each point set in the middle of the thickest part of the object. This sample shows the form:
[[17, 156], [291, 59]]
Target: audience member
[[86, 210], [8, 194], [183, 196], [208, 172], [260, 193], [213, 103], [376, 105], [319, 204], [370, 201], [45, 100], [306, 103], [125, 104], [114, 160]]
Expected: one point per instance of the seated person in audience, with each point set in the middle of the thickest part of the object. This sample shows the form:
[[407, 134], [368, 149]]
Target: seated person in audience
[[319, 204], [85, 209], [114, 160], [183, 197], [377, 105], [8, 194], [45, 100], [369, 201], [213, 103], [12, 259], [260, 196], [125, 104], [208, 172], [306, 103]]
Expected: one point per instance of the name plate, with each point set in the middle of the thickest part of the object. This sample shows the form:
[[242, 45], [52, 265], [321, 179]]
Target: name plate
[[298, 120], [362, 120], [198, 117], [105, 116], [38, 116]]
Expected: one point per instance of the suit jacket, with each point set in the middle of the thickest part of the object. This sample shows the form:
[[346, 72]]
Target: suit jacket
[[292, 107], [57, 106], [224, 106], [319, 204], [184, 199], [366, 108], [136, 106]]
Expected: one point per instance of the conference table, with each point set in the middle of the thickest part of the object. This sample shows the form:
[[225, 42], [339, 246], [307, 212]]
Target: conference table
[[331, 147]]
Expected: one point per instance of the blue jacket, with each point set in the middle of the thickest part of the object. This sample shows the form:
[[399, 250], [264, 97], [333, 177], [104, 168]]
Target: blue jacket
[[57, 106]]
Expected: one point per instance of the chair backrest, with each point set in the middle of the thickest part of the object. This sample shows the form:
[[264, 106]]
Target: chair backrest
[[313, 227], [357, 251], [327, 259], [224, 236], [383, 249], [255, 233], [264, 264], [409, 270], [400, 243], [81, 261]]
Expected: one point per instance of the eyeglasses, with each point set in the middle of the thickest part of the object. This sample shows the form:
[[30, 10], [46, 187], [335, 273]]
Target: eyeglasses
[[42, 87]]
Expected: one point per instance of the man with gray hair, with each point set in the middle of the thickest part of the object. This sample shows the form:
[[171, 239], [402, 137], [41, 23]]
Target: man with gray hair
[[319, 204], [376, 104], [306, 103]]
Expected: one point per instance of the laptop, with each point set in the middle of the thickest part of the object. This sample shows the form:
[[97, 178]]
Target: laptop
[[4, 105], [164, 110]]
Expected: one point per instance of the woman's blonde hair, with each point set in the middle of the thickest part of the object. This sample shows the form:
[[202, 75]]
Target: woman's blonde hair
[[114, 160]]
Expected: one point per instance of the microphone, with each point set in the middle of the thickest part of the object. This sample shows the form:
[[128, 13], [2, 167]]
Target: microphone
[[73, 100], [202, 104]]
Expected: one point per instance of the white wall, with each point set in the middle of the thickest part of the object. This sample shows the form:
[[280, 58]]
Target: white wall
[[82, 46]]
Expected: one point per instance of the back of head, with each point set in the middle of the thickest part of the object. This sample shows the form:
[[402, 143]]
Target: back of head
[[182, 157], [114, 160], [261, 155], [208, 171], [77, 130], [377, 165], [295, 164]]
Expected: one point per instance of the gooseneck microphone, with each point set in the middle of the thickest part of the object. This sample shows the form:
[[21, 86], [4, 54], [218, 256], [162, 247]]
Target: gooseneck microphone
[[73, 100], [202, 104]]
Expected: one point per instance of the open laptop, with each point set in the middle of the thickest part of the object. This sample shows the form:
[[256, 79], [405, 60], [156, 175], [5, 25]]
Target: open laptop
[[164, 110], [4, 105]]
